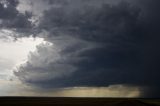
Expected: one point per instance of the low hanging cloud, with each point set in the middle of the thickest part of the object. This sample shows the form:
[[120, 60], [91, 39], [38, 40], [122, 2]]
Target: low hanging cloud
[[44, 64], [92, 39], [53, 61], [96, 43]]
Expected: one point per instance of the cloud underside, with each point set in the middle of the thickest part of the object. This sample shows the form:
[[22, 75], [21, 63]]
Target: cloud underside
[[19, 89], [91, 43]]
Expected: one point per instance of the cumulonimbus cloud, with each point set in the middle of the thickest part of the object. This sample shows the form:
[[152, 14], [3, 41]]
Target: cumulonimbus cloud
[[95, 44]]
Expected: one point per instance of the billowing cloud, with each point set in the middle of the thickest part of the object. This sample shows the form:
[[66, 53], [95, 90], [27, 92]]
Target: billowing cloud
[[95, 43], [14, 52], [97, 40], [52, 61]]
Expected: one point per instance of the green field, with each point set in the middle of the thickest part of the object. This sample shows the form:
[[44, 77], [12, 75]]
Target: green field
[[53, 101]]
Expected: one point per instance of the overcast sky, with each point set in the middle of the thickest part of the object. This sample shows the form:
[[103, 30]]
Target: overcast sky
[[94, 48]]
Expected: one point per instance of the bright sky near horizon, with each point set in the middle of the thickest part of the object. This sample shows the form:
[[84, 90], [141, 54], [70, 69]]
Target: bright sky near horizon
[[14, 52]]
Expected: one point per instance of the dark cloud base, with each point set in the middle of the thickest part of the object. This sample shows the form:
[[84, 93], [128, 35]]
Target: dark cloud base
[[99, 44]]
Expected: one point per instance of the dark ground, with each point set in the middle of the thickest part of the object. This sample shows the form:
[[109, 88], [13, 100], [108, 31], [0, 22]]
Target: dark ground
[[53, 101]]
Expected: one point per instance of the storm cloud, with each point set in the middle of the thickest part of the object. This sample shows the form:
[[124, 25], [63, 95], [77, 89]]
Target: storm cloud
[[96, 43], [11, 18]]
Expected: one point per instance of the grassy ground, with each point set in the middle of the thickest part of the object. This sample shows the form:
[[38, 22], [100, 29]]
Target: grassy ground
[[38, 101]]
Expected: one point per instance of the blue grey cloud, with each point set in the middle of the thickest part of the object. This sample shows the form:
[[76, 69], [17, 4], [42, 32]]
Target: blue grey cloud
[[97, 40], [11, 18], [98, 44]]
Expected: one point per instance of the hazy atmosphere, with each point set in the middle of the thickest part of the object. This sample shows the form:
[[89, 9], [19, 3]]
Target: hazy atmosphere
[[80, 48]]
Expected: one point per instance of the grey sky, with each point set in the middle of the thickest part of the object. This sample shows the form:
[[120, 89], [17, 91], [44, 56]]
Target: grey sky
[[87, 43]]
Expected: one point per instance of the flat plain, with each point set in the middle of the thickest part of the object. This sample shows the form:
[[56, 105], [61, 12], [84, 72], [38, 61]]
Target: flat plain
[[71, 101]]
